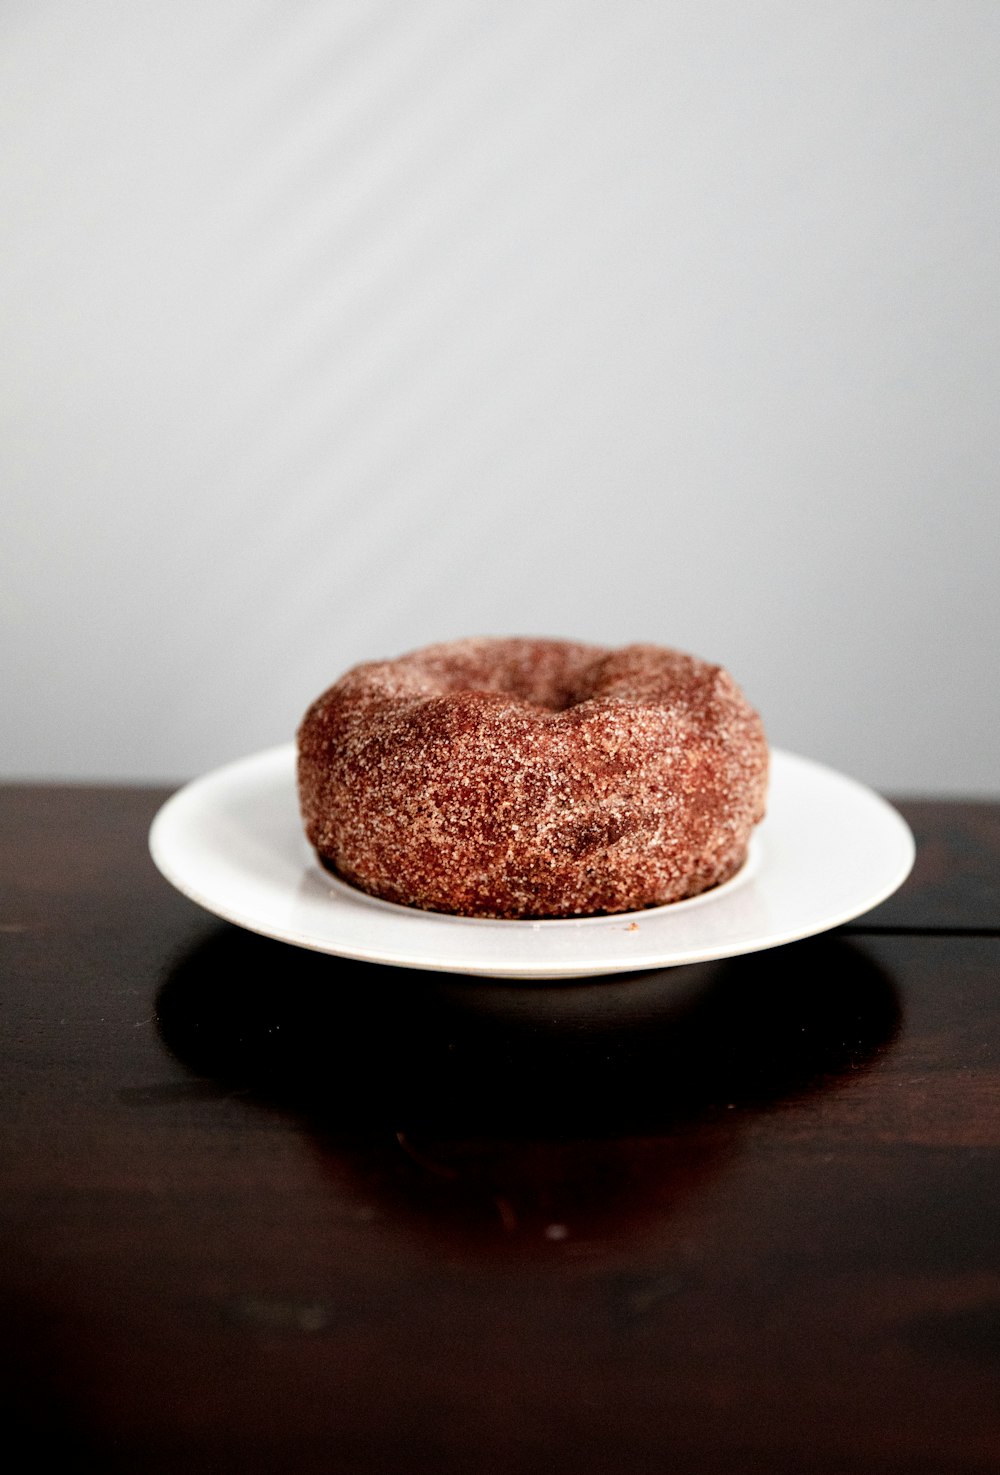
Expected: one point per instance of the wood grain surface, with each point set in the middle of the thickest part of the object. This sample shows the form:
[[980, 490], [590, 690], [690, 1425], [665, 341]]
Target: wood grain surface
[[265, 1211]]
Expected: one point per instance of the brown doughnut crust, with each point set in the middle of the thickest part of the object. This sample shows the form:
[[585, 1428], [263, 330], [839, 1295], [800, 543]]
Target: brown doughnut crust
[[533, 778]]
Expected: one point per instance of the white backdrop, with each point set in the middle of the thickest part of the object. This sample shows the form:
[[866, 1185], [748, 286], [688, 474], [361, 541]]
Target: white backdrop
[[330, 329]]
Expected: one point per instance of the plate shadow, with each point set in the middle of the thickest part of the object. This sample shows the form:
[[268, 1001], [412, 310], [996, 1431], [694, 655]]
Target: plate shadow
[[485, 1111]]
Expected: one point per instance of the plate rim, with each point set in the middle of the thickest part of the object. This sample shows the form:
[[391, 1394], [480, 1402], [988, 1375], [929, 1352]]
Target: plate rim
[[283, 753]]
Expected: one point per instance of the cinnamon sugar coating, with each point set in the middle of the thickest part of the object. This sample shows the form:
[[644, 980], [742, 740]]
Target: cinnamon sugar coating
[[533, 778]]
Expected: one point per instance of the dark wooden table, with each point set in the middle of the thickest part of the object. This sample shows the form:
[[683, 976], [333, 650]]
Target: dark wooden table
[[272, 1212]]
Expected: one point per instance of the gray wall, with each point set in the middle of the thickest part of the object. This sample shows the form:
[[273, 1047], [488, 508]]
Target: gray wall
[[331, 329]]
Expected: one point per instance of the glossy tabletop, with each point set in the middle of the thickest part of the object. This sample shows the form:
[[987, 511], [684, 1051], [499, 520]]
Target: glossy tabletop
[[269, 1211]]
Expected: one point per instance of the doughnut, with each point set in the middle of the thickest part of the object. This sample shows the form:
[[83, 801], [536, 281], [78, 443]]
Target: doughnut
[[522, 778]]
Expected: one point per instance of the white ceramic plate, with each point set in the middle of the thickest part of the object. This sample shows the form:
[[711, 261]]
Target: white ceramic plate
[[828, 850]]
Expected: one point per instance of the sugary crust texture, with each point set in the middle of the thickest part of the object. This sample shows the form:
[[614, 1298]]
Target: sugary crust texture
[[533, 778]]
